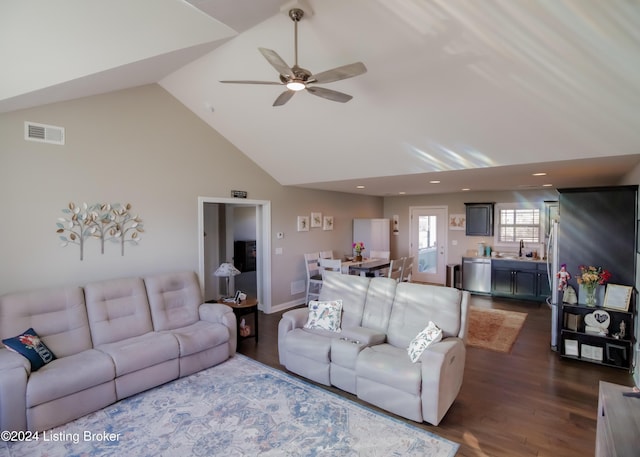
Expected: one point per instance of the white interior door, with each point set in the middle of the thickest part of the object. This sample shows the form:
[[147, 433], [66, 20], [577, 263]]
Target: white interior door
[[429, 243]]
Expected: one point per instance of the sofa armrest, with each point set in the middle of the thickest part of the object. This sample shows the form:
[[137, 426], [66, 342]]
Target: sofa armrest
[[219, 313], [291, 320], [442, 374], [14, 371], [295, 318]]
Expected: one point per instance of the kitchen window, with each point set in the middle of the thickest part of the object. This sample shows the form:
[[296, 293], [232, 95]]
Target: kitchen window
[[517, 222]]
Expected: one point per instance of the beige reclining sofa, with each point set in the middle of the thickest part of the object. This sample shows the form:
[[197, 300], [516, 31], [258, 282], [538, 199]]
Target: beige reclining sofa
[[368, 355], [108, 340]]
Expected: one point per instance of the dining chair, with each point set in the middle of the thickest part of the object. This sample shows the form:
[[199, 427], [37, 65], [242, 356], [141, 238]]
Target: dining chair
[[330, 265], [407, 269], [381, 255], [395, 269], [326, 254], [314, 276]]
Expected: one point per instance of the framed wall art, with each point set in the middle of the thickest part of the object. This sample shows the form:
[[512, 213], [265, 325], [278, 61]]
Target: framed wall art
[[316, 220], [303, 223], [327, 223]]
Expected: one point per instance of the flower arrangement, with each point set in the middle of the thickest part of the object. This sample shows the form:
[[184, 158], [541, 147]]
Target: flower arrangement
[[593, 276], [358, 247], [590, 277]]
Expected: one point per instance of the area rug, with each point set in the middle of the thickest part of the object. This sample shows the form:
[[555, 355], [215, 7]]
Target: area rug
[[494, 329], [238, 408]]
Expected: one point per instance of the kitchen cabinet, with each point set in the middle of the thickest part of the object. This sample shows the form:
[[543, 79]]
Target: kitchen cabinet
[[479, 219], [519, 279]]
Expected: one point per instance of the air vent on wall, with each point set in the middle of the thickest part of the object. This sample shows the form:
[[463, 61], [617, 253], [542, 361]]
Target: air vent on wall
[[43, 133]]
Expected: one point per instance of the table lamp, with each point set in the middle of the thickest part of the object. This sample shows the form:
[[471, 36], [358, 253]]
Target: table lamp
[[226, 270]]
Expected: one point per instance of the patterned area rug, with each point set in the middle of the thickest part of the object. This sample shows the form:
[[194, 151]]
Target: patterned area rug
[[494, 329], [238, 408]]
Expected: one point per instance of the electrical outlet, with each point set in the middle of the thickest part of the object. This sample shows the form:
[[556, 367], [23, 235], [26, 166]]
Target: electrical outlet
[[278, 251]]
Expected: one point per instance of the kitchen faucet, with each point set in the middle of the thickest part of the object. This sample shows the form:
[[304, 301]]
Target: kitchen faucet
[[521, 248]]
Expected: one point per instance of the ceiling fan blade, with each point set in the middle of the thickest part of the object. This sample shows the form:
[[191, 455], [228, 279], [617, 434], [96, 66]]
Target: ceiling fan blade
[[329, 94], [284, 97], [276, 61], [253, 82], [339, 73]]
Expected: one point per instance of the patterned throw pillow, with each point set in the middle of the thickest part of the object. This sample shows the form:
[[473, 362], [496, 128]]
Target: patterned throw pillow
[[431, 334], [29, 345], [326, 315]]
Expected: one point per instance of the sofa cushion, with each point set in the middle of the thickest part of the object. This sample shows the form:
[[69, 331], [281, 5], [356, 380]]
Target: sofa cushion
[[138, 352], [118, 309], [325, 315], [310, 344], [68, 375], [200, 336], [431, 334], [417, 304], [377, 307], [29, 345], [174, 299], [391, 366], [59, 315], [351, 289]]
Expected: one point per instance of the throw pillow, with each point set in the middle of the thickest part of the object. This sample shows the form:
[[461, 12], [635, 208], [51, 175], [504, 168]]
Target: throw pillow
[[431, 334], [326, 315], [30, 346]]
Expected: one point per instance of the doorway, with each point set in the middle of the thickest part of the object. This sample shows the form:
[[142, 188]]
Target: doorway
[[428, 243], [216, 244]]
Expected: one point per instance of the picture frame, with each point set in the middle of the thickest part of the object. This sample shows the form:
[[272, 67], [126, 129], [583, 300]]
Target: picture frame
[[616, 354], [327, 223], [457, 221], [592, 352], [617, 297], [303, 223], [316, 220], [571, 348]]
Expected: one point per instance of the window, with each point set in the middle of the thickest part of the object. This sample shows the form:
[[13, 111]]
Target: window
[[517, 223]]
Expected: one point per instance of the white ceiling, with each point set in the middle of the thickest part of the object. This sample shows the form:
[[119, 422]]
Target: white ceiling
[[475, 94]]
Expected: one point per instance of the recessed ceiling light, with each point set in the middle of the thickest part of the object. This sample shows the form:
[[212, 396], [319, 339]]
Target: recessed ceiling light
[[434, 182], [465, 189], [402, 192], [547, 185], [359, 187], [539, 174]]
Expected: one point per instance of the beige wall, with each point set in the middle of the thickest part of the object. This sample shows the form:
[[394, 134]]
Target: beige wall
[[141, 146]]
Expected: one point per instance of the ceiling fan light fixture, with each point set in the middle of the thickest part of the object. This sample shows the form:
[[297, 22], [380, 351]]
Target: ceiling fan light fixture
[[295, 85]]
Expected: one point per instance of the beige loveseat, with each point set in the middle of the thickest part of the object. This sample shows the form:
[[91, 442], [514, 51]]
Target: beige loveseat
[[368, 355], [111, 339]]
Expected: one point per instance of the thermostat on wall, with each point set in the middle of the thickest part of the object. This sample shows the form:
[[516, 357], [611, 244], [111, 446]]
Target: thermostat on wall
[[239, 194]]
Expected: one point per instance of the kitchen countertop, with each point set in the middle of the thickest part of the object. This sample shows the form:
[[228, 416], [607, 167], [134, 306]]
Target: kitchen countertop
[[511, 259]]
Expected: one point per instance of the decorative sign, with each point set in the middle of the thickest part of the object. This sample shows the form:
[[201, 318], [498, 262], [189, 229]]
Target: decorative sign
[[617, 297], [239, 194]]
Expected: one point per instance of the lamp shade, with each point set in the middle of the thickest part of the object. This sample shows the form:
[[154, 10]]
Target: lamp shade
[[226, 270]]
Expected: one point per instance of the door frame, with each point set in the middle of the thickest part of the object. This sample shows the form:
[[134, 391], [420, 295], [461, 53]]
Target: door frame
[[263, 244], [442, 275]]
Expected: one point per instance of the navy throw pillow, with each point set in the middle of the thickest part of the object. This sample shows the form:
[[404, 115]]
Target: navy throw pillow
[[29, 345]]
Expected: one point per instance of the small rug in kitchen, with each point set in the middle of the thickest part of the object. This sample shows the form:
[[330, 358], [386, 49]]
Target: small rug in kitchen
[[494, 329], [238, 408]]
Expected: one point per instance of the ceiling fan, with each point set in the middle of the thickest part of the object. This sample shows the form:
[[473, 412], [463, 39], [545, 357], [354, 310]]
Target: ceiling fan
[[297, 78]]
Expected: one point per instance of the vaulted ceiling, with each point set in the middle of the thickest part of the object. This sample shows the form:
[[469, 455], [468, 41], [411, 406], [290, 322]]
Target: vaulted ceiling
[[474, 94]]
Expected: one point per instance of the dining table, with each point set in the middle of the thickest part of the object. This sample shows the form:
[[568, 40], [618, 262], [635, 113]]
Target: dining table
[[365, 267]]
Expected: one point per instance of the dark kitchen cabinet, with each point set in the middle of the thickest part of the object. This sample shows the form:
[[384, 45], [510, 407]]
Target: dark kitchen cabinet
[[519, 279], [479, 219]]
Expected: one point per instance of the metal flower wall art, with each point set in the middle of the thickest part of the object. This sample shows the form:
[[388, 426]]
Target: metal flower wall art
[[102, 221]]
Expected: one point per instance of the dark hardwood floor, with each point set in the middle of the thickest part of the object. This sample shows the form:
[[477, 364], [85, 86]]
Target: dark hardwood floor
[[526, 403]]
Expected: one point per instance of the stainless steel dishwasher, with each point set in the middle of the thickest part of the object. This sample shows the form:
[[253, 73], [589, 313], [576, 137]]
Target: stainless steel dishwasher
[[476, 274]]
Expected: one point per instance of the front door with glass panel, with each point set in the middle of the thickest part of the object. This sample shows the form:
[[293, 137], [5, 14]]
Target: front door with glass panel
[[428, 244]]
